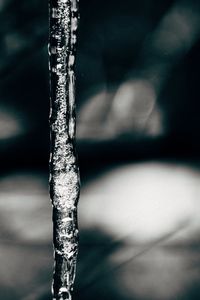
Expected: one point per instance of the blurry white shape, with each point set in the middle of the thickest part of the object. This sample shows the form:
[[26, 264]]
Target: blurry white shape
[[133, 105], [27, 213], [131, 110], [142, 201], [177, 31], [93, 117], [95, 107], [10, 125], [154, 124], [134, 98]]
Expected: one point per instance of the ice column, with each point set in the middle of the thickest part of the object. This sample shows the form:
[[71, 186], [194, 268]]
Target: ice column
[[64, 172]]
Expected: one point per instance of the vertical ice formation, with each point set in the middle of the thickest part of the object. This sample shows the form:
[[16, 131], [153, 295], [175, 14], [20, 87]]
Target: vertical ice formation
[[64, 172]]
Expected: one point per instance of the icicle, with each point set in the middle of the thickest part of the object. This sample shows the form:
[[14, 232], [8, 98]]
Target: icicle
[[64, 172]]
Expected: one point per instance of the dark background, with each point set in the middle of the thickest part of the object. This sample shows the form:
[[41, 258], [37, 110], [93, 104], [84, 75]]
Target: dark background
[[138, 130]]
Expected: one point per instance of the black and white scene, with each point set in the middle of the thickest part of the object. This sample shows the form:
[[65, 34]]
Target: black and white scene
[[120, 81]]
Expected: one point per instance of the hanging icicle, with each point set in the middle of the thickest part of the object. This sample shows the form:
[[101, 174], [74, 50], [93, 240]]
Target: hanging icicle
[[64, 172]]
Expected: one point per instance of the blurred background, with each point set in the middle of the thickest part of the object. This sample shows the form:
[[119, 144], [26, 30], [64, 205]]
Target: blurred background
[[138, 142]]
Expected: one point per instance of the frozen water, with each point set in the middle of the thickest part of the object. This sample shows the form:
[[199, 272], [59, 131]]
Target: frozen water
[[64, 172]]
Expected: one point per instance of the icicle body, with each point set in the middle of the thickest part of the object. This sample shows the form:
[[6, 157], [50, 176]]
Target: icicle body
[[64, 172]]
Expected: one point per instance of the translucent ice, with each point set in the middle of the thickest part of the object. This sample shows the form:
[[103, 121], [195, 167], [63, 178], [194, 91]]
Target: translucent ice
[[64, 172]]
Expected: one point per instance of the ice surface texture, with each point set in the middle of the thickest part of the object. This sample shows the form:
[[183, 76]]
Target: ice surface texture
[[64, 172]]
